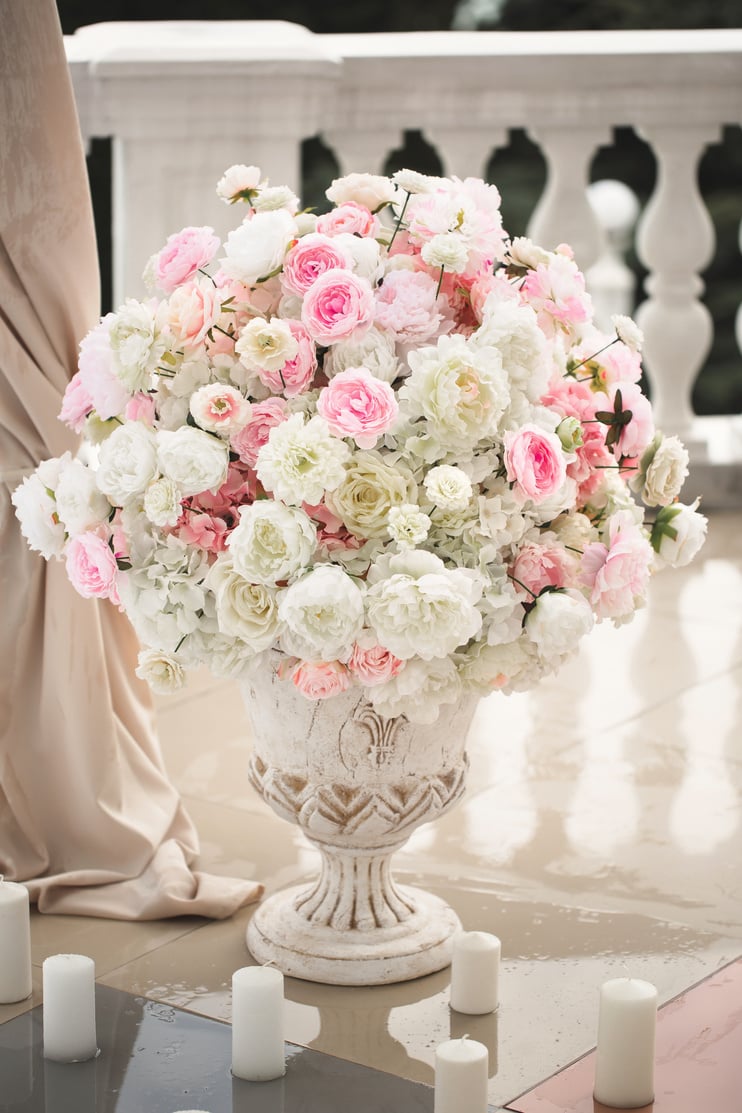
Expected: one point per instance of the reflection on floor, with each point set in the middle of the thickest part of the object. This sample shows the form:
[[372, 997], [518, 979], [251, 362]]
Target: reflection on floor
[[600, 834]]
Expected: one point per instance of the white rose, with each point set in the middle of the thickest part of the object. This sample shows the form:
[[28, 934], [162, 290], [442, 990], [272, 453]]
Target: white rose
[[306, 223], [557, 622], [127, 462], [301, 461], [80, 504], [238, 183], [678, 533], [136, 345], [194, 460], [418, 691], [162, 502], [36, 509], [422, 608], [376, 351], [663, 469], [371, 190], [161, 671], [370, 488], [244, 610], [257, 248], [266, 345], [271, 542], [448, 487], [447, 250], [323, 615]]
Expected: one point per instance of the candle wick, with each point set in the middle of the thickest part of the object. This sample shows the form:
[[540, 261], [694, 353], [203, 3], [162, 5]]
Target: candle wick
[[465, 1036]]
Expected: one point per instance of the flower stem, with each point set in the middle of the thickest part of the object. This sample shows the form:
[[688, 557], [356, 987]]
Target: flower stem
[[588, 358], [400, 218], [440, 283], [520, 584]]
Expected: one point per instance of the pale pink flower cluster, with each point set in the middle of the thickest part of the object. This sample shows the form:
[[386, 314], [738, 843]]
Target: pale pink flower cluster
[[385, 447]]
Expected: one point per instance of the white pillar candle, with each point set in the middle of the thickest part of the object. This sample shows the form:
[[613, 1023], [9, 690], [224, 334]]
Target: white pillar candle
[[258, 1052], [15, 942], [69, 1008], [461, 1077], [475, 969], [624, 1062]]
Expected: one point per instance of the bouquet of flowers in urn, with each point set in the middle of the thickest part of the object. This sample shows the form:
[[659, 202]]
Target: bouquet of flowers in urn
[[385, 446]]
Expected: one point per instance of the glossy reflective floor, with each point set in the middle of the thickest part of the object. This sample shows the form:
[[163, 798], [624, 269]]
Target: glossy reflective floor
[[601, 833]]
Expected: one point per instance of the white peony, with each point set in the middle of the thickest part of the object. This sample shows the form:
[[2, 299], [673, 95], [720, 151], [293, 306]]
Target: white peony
[[271, 198], [371, 190], [36, 508], [244, 610], [411, 181], [162, 672], [448, 487], [376, 351], [266, 345], [195, 461], [557, 622], [80, 504], [525, 253], [365, 256], [271, 542], [136, 345], [418, 691], [421, 608], [514, 330], [257, 248], [497, 667], [162, 500], [238, 183], [127, 462], [302, 460], [322, 613]]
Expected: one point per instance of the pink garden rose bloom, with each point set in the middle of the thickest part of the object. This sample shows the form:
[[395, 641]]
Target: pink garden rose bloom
[[91, 567], [339, 305], [572, 398], [535, 464], [192, 311], [355, 404], [97, 376], [219, 408], [296, 375], [308, 259], [349, 217], [617, 574], [182, 255], [76, 404], [321, 679], [141, 407], [251, 438], [540, 566], [636, 435], [407, 305], [373, 664]]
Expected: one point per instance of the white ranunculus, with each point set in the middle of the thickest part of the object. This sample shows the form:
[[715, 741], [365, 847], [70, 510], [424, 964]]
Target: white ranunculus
[[375, 350], [408, 526], [127, 462], [418, 691], [371, 190], [514, 330], [257, 248], [161, 671], [162, 500], [36, 508], [421, 608], [448, 487], [195, 461], [302, 461], [80, 503], [370, 488], [662, 471], [678, 533], [628, 332], [322, 613], [447, 250], [271, 542], [557, 622], [136, 344], [244, 610], [266, 345]]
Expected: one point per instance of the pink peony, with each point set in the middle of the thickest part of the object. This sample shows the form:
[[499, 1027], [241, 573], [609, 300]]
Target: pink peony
[[540, 566], [556, 290], [296, 375], [91, 567], [616, 575], [251, 438], [490, 285], [97, 376], [355, 404], [141, 407], [321, 679], [339, 305], [192, 312], [373, 664], [312, 256], [349, 217], [535, 463], [182, 255], [76, 404], [407, 305]]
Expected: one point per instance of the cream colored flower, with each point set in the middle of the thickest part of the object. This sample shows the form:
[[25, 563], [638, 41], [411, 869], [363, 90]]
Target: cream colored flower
[[368, 491]]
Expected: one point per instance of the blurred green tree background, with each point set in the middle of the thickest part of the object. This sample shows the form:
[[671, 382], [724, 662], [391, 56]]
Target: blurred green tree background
[[518, 170]]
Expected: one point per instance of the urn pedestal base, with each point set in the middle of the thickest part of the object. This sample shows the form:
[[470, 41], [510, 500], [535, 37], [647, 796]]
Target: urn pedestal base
[[418, 945]]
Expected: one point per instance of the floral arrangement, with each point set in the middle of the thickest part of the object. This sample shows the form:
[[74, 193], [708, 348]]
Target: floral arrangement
[[385, 446]]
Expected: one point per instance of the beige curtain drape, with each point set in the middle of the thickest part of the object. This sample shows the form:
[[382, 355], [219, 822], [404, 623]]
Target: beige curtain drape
[[88, 817]]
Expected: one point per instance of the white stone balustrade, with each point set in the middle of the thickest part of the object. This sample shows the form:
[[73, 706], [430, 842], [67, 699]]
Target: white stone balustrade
[[184, 100]]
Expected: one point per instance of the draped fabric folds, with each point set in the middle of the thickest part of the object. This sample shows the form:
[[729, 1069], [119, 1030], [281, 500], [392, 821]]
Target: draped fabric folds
[[88, 817]]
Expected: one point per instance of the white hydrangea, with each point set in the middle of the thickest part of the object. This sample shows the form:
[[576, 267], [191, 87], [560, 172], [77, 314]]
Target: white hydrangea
[[302, 460], [271, 542], [418, 691], [322, 614]]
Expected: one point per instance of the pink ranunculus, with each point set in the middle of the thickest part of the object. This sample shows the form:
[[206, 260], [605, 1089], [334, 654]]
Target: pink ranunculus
[[251, 438], [97, 375], [182, 255], [373, 664], [141, 407], [535, 463], [617, 574], [407, 305], [192, 311], [636, 435], [339, 305], [308, 259], [355, 404], [321, 679], [91, 567], [540, 566], [296, 375], [349, 217], [76, 404]]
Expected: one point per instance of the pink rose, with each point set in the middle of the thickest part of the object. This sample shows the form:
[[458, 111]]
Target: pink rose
[[540, 566], [636, 435], [337, 306], [192, 311], [141, 407], [407, 305], [251, 438], [349, 217], [312, 256], [97, 376], [534, 460], [296, 375], [321, 679], [76, 404], [616, 575], [373, 664], [182, 255], [355, 404], [91, 567]]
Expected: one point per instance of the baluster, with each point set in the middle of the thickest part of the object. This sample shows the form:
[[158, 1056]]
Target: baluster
[[610, 281], [563, 213], [676, 241], [465, 152], [738, 319], [363, 151]]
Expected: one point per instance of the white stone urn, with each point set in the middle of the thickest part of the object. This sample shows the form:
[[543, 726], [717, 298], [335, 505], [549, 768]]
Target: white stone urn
[[358, 785]]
